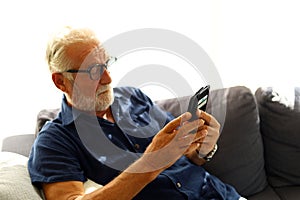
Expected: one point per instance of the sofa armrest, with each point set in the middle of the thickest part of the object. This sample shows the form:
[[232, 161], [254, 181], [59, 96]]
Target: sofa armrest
[[20, 144]]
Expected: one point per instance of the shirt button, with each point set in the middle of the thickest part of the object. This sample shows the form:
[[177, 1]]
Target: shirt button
[[178, 184], [136, 146]]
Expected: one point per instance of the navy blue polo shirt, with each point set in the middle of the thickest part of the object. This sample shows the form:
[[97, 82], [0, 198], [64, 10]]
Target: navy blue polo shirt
[[76, 146]]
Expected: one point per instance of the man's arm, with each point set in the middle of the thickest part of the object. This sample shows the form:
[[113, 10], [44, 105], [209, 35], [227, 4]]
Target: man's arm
[[71, 190], [167, 146]]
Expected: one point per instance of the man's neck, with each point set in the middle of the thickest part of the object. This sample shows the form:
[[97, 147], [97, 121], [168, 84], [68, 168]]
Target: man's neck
[[106, 114]]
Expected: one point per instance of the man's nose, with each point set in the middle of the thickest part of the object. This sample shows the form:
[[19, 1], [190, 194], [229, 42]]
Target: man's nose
[[105, 78]]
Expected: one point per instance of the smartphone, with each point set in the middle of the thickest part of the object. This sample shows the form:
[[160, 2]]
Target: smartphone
[[198, 101]]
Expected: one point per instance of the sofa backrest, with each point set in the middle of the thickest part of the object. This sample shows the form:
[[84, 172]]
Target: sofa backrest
[[280, 127], [240, 160]]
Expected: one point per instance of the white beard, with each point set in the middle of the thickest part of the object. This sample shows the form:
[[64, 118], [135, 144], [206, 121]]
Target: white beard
[[99, 102]]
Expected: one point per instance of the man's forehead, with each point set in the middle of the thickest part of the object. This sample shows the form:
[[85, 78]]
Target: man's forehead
[[84, 54], [96, 55], [98, 52]]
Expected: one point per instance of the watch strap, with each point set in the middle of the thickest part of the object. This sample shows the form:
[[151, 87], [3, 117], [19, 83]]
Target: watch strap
[[208, 156]]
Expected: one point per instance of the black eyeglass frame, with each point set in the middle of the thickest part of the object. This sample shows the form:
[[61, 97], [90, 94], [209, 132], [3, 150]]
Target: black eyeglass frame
[[95, 76]]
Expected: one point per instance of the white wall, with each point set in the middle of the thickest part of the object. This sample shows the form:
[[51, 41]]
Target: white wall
[[253, 43]]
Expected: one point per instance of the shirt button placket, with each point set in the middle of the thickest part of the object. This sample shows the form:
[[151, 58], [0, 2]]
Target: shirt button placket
[[178, 184]]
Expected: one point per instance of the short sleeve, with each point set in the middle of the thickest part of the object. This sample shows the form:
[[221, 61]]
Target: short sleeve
[[53, 159]]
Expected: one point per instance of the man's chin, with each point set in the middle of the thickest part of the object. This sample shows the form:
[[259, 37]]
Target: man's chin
[[102, 102], [106, 102]]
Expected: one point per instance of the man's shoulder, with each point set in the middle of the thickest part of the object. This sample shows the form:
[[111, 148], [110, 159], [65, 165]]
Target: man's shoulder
[[55, 127], [127, 91], [124, 89]]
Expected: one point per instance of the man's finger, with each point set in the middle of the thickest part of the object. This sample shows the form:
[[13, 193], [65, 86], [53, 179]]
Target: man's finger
[[175, 123]]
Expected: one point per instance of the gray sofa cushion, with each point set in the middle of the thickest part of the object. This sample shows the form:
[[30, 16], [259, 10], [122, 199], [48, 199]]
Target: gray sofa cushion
[[267, 194], [44, 116], [14, 178], [15, 183], [239, 160], [280, 127], [20, 144], [289, 192]]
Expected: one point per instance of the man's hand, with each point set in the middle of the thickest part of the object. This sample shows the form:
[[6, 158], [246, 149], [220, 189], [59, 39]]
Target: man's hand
[[206, 137], [170, 143]]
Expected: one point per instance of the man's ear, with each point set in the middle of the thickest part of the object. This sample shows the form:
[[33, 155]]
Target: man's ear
[[59, 81]]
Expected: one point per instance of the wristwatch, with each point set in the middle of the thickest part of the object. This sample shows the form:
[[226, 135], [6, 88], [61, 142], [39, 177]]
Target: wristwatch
[[209, 156]]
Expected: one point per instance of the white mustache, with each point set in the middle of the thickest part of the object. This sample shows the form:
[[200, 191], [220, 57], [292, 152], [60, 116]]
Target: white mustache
[[103, 88]]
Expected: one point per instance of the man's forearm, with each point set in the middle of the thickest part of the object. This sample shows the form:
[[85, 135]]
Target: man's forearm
[[125, 186]]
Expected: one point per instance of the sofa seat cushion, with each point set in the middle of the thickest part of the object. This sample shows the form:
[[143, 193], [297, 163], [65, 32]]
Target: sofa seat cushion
[[280, 126], [267, 194], [288, 192], [15, 182], [14, 178]]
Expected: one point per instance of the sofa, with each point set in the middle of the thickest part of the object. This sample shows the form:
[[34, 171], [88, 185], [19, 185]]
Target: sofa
[[259, 144]]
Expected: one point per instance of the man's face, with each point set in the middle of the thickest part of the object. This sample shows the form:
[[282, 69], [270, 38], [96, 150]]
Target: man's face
[[87, 94]]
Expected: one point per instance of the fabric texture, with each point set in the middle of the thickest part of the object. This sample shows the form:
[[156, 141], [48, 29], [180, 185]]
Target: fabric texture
[[176, 106], [240, 141], [15, 183], [20, 144], [43, 117], [280, 127], [288, 192]]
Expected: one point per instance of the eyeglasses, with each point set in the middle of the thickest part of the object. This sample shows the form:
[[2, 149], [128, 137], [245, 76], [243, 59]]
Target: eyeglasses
[[96, 70]]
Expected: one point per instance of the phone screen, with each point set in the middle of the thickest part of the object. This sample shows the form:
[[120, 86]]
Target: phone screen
[[198, 101], [202, 103]]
